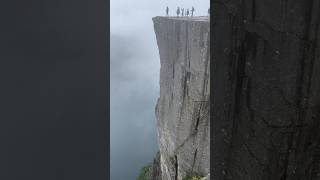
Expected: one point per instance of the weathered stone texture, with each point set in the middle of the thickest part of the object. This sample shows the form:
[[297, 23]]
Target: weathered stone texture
[[182, 109], [154, 172], [266, 90]]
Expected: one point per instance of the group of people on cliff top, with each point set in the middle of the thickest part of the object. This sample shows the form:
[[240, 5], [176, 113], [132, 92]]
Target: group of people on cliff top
[[184, 12]]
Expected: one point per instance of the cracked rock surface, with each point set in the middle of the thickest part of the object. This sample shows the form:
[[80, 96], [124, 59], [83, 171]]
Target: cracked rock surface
[[182, 109], [266, 79]]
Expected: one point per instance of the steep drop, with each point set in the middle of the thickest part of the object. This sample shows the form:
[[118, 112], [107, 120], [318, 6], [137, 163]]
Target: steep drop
[[182, 109]]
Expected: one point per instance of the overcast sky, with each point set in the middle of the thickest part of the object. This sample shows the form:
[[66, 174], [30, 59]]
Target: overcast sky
[[134, 84]]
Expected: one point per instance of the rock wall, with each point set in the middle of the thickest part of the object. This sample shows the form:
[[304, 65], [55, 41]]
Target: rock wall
[[182, 109], [154, 172], [266, 95]]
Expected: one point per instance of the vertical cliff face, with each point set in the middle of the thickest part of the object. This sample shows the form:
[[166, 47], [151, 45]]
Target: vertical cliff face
[[182, 109], [266, 79]]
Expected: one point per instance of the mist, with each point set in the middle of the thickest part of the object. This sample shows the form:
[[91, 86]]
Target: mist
[[134, 81]]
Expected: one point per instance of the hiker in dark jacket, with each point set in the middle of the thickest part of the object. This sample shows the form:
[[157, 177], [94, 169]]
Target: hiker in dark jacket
[[167, 11], [192, 10], [182, 11], [187, 12], [178, 11]]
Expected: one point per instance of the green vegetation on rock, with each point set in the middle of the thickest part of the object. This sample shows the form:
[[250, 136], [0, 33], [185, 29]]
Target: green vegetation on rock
[[151, 170], [192, 176], [143, 172]]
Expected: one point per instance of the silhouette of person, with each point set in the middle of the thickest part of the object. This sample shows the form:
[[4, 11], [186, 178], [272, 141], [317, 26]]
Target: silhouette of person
[[178, 11], [192, 10], [167, 11], [182, 11], [209, 11], [187, 12]]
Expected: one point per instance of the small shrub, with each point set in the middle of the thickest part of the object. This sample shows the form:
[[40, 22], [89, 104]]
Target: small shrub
[[196, 178], [143, 172], [192, 177]]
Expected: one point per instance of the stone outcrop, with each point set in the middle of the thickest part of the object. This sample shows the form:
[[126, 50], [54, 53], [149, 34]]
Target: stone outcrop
[[182, 109], [266, 90], [154, 172]]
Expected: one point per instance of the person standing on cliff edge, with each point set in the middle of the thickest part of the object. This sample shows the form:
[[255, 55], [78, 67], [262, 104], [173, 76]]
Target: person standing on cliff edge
[[192, 10], [182, 11], [178, 11], [187, 13], [167, 11]]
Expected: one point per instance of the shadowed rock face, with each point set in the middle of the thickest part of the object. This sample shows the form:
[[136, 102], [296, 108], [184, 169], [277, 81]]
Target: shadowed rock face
[[266, 79], [182, 109]]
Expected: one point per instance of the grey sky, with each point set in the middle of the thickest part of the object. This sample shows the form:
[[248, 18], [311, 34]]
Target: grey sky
[[134, 83]]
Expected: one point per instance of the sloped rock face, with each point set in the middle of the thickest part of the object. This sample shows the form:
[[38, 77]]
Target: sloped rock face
[[182, 109], [266, 100], [154, 172]]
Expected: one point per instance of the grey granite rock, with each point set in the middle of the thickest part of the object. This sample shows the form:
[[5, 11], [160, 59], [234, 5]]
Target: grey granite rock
[[182, 109], [154, 172], [266, 79]]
